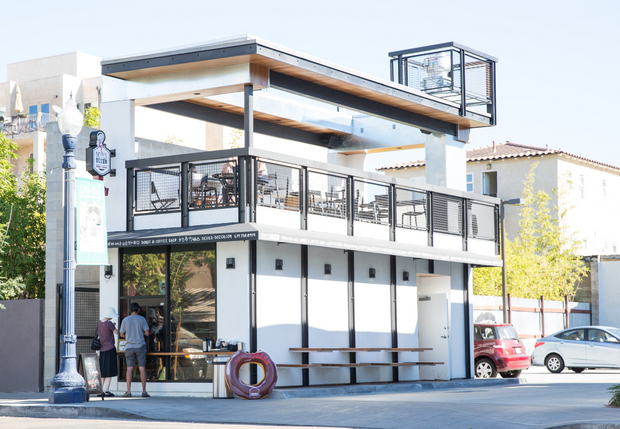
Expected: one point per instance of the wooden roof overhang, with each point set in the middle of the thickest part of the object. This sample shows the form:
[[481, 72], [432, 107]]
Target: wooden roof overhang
[[295, 72]]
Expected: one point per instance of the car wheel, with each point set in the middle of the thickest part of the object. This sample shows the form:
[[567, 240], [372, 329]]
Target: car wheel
[[554, 363], [485, 368], [511, 374], [577, 370]]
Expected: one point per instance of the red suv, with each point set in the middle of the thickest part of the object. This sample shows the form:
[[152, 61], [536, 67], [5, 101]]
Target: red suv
[[497, 348]]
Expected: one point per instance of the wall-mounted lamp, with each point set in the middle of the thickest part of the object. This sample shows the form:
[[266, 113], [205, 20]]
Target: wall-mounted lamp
[[372, 273], [108, 271], [279, 264], [230, 263], [328, 269], [405, 276], [489, 166]]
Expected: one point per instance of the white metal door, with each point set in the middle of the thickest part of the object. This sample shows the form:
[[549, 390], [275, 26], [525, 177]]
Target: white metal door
[[434, 332]]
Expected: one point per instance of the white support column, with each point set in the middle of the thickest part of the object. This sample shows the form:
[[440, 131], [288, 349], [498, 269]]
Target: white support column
[[118, 123], [446, 162]]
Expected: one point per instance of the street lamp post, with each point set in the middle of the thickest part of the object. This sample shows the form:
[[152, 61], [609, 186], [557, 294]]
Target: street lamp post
[[511, 202], [68, 384]]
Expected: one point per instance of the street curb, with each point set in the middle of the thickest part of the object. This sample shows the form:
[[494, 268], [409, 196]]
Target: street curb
[[67, 412], [402, 387]]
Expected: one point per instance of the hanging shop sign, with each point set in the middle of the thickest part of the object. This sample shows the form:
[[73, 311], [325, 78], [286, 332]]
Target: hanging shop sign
[[98, 156]]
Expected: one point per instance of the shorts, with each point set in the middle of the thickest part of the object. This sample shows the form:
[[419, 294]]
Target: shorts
[[131, 354]]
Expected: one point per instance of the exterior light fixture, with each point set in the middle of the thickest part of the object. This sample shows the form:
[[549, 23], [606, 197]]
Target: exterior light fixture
[[230, 263], [279, 264], [372, 273], [68, 384], [108, 272], [489, 166], [328, 269], [405, 276]]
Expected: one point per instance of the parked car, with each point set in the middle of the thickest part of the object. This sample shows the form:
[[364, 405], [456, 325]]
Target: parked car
[[579, 348], [498, 348]]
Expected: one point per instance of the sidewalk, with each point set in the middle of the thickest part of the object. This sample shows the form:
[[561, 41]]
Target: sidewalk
[[291, 406], [537, 400]]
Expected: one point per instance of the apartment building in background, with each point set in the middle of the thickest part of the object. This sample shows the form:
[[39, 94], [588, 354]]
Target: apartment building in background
[[33, 88], [593, 187]]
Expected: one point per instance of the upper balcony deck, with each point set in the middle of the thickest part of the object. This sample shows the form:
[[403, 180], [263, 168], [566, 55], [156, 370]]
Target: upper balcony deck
[[242, 194]]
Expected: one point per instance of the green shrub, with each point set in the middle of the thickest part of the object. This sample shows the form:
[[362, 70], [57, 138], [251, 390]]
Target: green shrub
[[615, 399]]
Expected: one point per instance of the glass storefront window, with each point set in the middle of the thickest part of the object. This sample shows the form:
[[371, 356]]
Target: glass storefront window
[[144, 274], [192, 310], [175, 288]]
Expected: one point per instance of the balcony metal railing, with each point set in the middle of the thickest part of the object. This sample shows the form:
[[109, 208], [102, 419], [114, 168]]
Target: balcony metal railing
[[216, 184], [449, 71], [15, 125]]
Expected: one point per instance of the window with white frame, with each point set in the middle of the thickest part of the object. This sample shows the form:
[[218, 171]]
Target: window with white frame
[[470, 182], [582, 185], [604, 188]]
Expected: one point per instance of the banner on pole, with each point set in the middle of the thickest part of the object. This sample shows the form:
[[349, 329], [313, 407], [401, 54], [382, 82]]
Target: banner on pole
[[92, 232]]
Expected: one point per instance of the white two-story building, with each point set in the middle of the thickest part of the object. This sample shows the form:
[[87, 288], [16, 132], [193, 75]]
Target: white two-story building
[[278, 238]]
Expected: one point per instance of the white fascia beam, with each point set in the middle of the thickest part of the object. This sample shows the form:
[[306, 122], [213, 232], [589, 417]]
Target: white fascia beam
[[178, 86]]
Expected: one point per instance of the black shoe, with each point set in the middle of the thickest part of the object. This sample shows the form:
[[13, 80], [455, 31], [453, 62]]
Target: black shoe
[[145, 395], [127, 395], [108, 393]]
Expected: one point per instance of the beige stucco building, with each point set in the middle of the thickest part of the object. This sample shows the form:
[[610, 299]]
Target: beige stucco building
[[32, 90], [593, 188]]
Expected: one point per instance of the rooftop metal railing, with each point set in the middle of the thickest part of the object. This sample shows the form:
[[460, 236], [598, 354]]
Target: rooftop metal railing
[[449, 71]]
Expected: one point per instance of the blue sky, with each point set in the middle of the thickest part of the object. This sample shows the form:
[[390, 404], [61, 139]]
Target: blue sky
[[558, 67]]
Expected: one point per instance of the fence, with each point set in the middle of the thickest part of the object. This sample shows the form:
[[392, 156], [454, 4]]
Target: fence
[[533, 318]]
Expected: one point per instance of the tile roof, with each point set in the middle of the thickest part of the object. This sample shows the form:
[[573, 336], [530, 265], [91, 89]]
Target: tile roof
[[503, 151]]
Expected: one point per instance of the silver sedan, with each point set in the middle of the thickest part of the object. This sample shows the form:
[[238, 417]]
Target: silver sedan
[[579, 348]]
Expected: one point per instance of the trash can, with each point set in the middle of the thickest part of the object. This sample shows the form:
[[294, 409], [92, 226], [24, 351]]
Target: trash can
[[220, 388]]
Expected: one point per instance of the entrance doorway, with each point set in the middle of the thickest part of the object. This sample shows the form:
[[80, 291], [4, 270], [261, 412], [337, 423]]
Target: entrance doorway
[[434, 326]]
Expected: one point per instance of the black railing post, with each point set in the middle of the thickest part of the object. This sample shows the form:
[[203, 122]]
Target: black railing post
[[463, 86], [130, 198], [429, 217], [244, 188], [303, 197], [392, 211], [465, 224], [185, 171], [350, 204]]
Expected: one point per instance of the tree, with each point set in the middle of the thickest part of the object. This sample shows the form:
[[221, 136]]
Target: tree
[[22, 216], [92, 117], [542, 260]]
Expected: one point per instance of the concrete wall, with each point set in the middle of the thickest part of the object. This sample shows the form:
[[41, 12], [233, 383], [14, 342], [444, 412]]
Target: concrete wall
[[21, 352]]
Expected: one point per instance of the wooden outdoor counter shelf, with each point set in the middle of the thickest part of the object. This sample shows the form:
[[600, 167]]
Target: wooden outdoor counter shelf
[[356, 349], [353, 350], [353, 365]]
